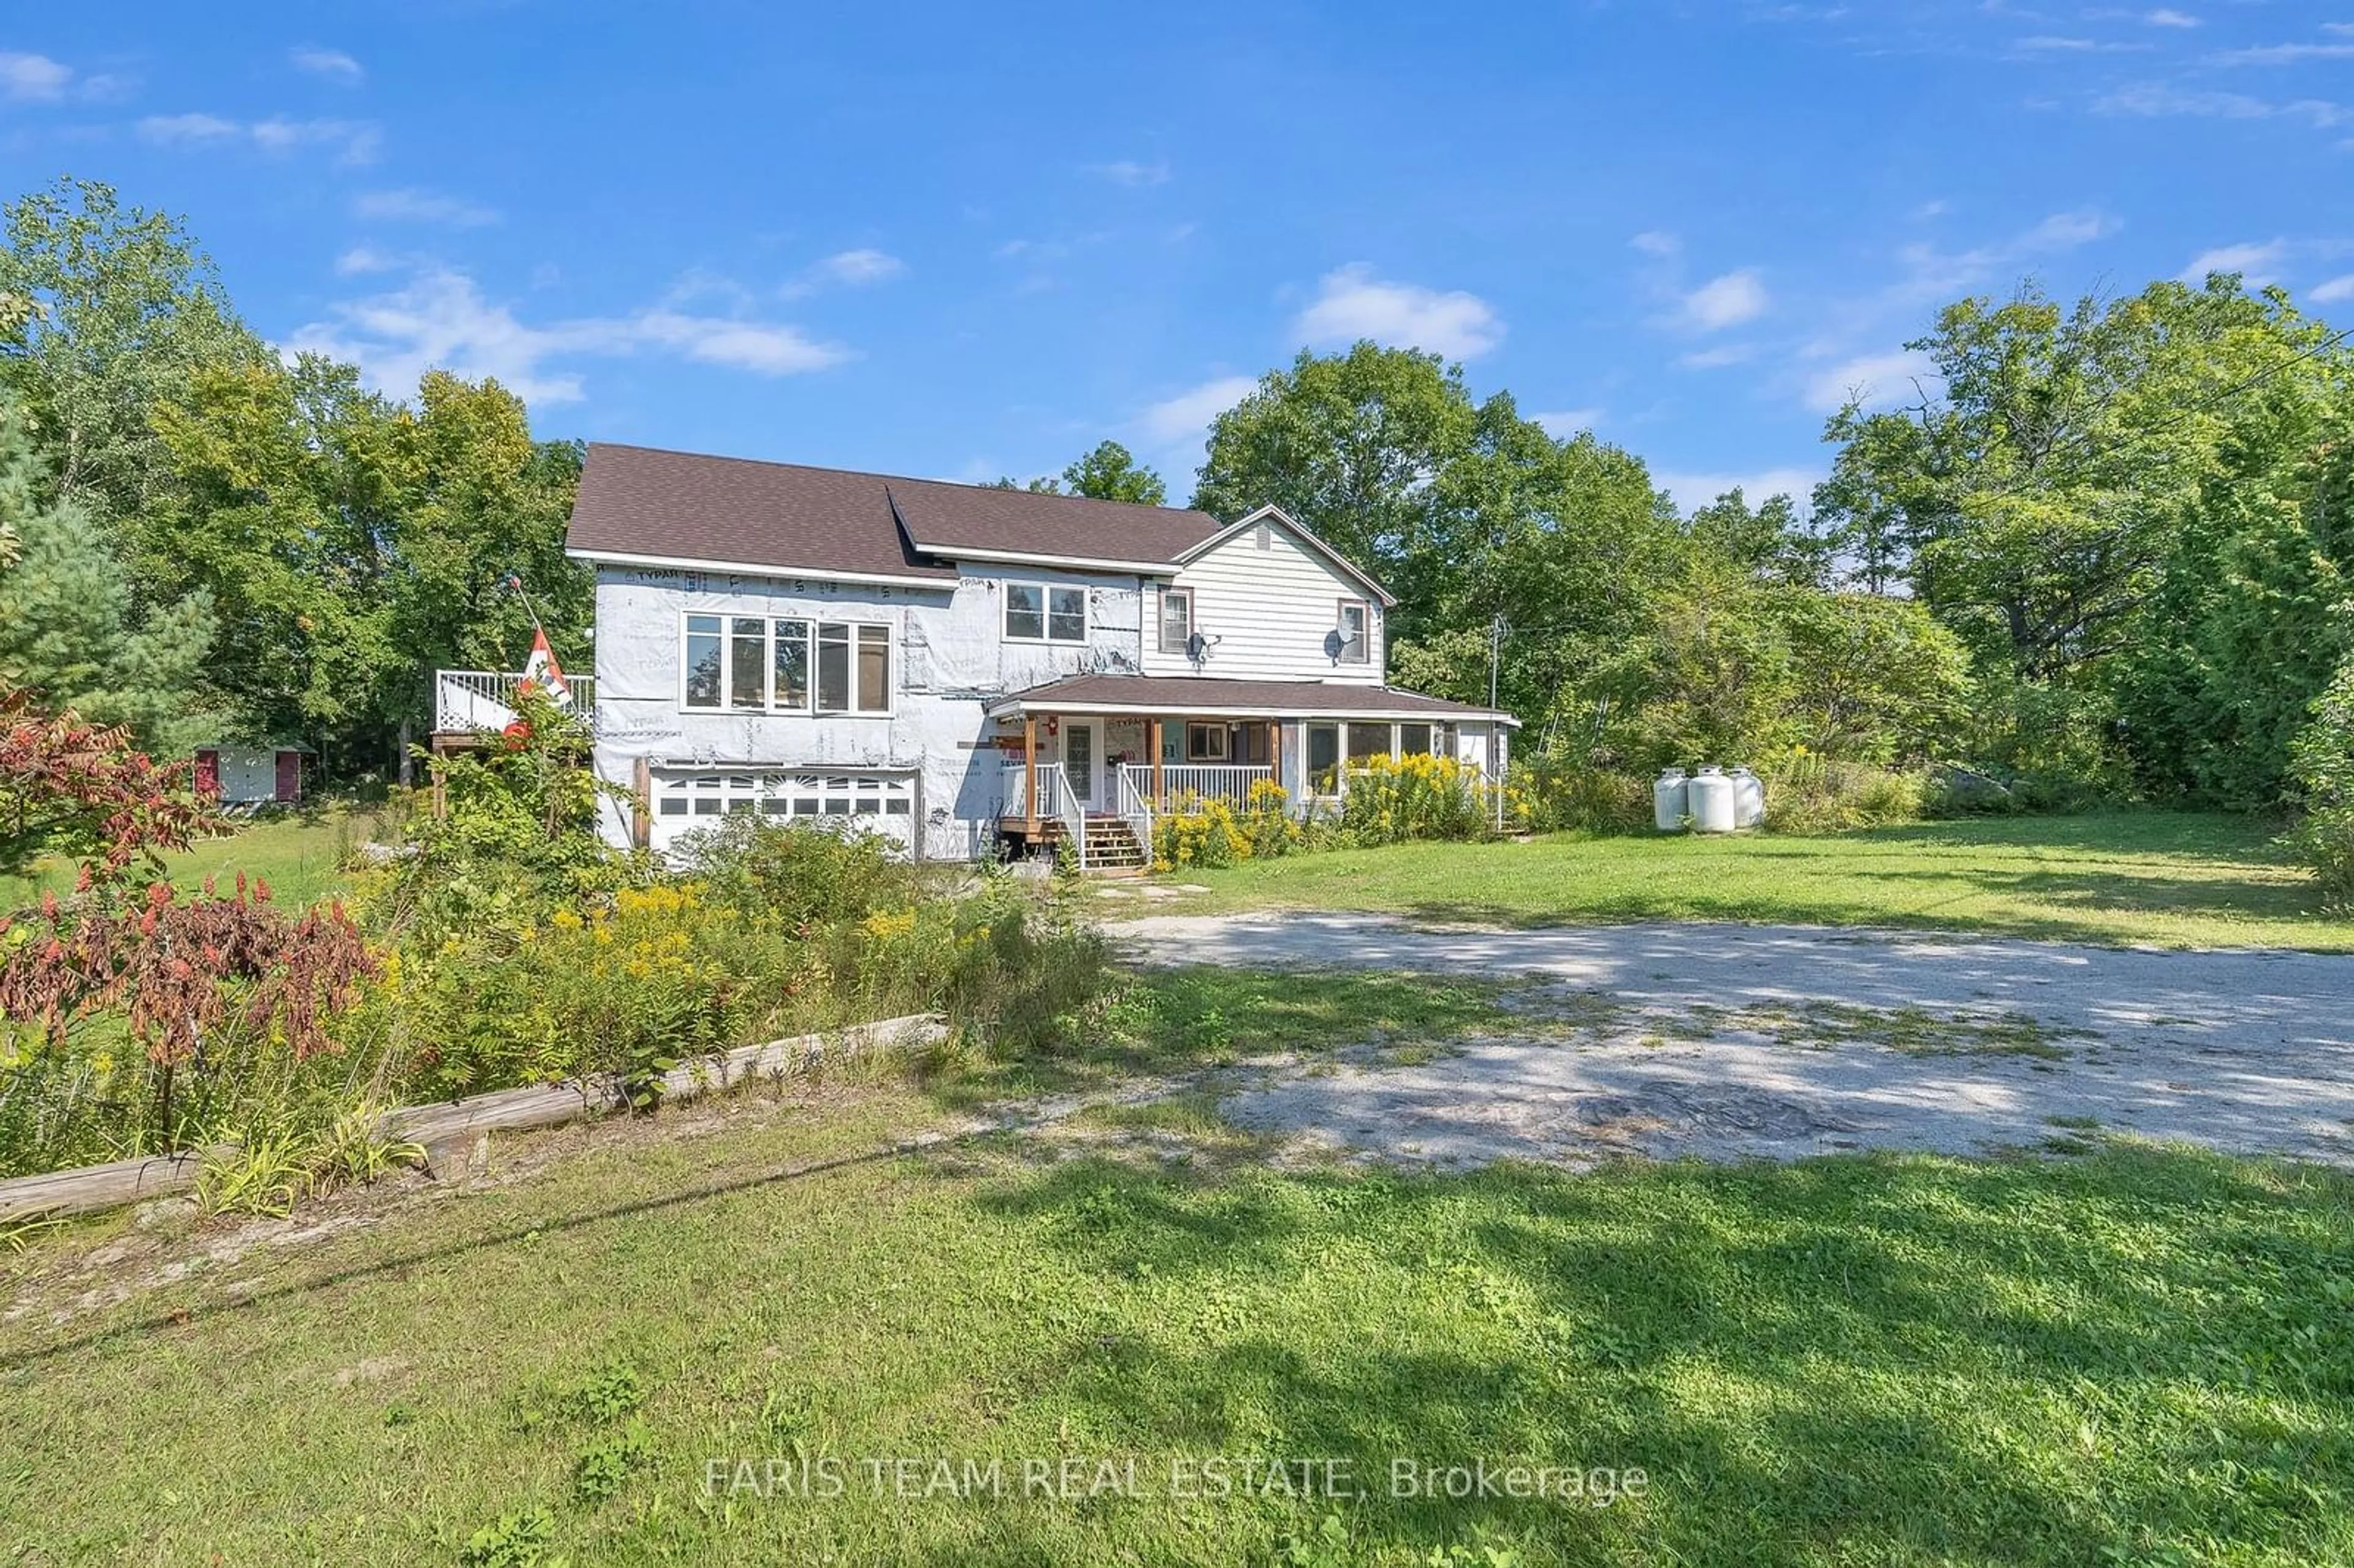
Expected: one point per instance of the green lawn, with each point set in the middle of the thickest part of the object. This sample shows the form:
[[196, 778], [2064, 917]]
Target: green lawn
[[296, 852], [2135, 1356], [2175, 879]]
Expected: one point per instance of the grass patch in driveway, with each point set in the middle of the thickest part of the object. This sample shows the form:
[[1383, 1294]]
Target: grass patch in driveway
[[2135, 1356], [2167, 878], [1912, 1031], [1178, 1020]]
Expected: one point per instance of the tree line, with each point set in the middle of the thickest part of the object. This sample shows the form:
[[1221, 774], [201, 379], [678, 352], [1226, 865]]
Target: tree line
[[2104, 552], [209, 542]]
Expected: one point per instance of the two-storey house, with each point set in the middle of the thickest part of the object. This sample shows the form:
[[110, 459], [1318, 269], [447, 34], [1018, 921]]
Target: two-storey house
[[957, 666]]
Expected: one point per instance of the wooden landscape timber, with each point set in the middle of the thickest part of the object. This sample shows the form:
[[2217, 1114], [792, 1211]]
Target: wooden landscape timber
[[447, 1130]]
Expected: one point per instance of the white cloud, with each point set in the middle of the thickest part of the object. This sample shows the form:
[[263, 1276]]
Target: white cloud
[[1189, 413], [1567, 424], [847, 268], [333, 64], [2332, 291], [2152, 101], [355, 141], [1718, 358], [2285, 54], [33, 78], [1128, 172], [2163, 17], [2257, 262], [1657, 242], [188, 130], [364, 258], [440, 319], [2065, 231], [1874, 380], [1351, 303], [1726, 301], [409, 205], [1693, 491]]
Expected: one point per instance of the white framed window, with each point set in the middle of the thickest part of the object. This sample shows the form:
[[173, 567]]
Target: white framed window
[[1413, 739], [1042, 613], [1205, 742], [1356, 642], [749, 664], [1176, 619]]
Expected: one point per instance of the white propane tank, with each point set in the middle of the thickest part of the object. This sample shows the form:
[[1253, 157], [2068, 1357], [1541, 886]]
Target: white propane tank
[[1667, 800], [1709, 795], [1748, 799]]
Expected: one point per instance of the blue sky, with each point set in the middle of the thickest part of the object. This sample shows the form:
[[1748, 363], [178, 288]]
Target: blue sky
[[963, 241]]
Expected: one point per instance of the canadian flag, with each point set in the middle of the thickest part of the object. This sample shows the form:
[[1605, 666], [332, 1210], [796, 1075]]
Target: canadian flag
[[542, 670]]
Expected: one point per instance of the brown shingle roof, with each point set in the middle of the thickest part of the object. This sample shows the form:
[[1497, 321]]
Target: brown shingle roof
[[1209, 694], [639, 501], [943, 516]]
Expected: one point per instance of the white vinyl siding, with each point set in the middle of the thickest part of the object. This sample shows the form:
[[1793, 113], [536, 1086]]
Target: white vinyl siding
[[1268, 614]]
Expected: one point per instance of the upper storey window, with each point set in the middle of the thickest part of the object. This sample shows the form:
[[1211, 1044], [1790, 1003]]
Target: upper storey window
[[1038, 612]]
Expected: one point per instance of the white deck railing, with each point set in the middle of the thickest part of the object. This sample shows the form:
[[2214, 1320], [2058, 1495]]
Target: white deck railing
[[484, 699]]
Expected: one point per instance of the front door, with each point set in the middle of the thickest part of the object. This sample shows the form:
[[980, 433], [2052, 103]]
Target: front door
[[1079, 759]]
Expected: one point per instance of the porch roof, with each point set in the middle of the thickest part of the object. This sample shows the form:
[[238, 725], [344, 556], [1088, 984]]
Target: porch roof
[[1210, 696]]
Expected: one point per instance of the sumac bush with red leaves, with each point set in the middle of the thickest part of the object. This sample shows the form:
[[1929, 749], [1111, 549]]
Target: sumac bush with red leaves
[[133, 1016]]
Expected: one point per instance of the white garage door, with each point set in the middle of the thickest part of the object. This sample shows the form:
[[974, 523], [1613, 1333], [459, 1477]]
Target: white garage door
[[688, 799]]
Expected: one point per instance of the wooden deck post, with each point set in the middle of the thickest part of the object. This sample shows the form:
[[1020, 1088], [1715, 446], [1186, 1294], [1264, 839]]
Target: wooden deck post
[[1030, 772], [1152, 743], [641, 803]]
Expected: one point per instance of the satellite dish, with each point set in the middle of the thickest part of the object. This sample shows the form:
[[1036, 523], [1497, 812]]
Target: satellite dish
[[1197, 647]]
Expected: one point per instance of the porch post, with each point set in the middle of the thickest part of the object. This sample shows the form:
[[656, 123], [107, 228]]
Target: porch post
[[1275, 753], [1152, 743], [1030, 770], [641, 803]]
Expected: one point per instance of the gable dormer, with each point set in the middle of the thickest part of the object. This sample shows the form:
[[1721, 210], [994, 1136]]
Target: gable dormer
[[1265, 598]]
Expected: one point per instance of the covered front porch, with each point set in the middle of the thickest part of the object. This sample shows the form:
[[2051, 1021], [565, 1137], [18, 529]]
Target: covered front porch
[[1093, 760]]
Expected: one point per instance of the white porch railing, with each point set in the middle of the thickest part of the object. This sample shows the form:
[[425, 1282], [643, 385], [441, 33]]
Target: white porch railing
[[1229, 782], [484, 699], [1014, 789], [1134, 803]]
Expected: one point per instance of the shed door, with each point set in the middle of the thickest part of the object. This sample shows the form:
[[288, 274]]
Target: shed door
[[208, 772], [290, 776]]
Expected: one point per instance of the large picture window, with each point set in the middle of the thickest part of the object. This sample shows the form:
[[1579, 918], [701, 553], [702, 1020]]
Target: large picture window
[[743, 663], [1038, 612]]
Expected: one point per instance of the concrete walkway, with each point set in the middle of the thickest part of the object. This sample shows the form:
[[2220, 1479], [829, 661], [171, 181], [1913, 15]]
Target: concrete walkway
[[1731, 1041]]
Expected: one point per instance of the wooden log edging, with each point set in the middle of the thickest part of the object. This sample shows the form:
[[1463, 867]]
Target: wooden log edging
[[454, 1125]]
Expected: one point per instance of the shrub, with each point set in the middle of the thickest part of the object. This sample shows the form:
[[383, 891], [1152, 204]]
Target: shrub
[[1807, 792], [2321, 762], [1014, 973], [625, 990], [800, 875], [1391, 800], [130, 1025], [1580, 798]]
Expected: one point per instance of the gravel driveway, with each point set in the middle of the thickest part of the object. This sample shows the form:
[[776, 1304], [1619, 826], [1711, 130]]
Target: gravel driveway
[[1731, 1042]]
